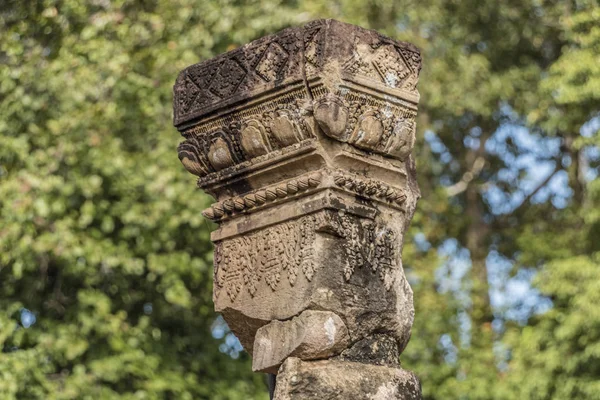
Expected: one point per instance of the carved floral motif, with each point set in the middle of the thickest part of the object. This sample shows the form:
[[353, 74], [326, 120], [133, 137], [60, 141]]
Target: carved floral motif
[[241, 140], [253, 139], [201, 155], [272, 61], [192, 157], [284, 250], [332, 116], [394, 66], [219, 154], [402, 140], [368, 130], [286, 126], [271, 253]]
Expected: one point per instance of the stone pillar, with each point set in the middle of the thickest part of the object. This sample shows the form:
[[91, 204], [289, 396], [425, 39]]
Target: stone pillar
[[304, 139]]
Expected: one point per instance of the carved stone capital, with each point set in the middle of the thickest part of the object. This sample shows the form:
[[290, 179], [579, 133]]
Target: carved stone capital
[[304, 139]]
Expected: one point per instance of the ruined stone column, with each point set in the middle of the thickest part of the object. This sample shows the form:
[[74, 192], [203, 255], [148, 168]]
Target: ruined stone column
[[304, 139]]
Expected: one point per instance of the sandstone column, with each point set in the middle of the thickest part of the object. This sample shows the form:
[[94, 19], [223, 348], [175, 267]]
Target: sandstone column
[[304, 139]]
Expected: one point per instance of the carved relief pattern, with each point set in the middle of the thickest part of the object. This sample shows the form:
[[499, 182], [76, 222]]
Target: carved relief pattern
[[245, 261], [367, 123], [228, 78], [298, 137], [368, 245], [313, 48], [394, 66], [217, 150], [271, 252], [257, 198], [358, 119], [286, 125], [271, 62], [266, 126], [208, 84], [203, 87], [282, 251], [354, 252], [307, 251], [413, 59], [275, 126], [291, 252], [371, 188]]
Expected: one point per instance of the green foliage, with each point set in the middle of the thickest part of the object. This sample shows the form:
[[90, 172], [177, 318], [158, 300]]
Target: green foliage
[[558, 355], [102, 242]]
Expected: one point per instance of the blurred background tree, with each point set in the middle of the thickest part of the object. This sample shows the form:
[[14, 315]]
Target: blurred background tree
[[105, 261]]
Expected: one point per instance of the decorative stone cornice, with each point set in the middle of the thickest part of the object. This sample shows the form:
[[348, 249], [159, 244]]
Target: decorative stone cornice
[[317, 54], [304, 139], [356, 86]]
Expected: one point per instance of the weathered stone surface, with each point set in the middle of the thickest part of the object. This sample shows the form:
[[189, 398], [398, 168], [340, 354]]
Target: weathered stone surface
[[330, 260], [329, 380], [304, 139], [375, 349], [308, 211], [310, 336]]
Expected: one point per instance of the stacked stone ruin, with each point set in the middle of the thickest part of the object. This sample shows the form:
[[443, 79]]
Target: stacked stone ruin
[[304, 139]]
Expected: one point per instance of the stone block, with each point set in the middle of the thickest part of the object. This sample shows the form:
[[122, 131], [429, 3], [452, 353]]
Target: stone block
[[343, 380], [310, 336]]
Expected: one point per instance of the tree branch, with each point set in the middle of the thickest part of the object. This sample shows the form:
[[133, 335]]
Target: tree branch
[[467, 177], [536, 190]]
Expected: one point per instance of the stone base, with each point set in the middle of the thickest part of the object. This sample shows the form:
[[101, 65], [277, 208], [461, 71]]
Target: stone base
[[329, 379]]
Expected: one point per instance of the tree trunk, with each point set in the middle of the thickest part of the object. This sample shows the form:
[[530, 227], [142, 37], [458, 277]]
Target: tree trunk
[[477, 244]]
